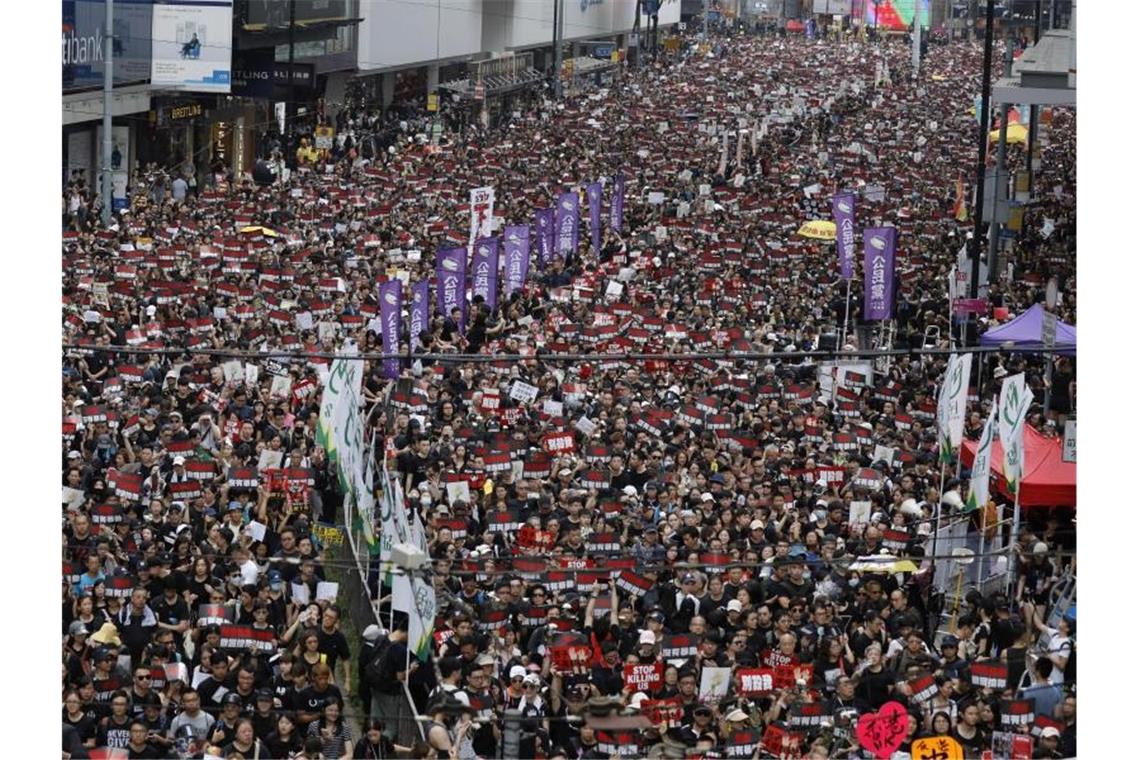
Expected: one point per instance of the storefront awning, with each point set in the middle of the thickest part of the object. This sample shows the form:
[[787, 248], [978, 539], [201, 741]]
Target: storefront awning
[[495, 85]]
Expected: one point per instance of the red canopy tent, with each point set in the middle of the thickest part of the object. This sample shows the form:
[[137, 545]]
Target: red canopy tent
[[1048, 481]]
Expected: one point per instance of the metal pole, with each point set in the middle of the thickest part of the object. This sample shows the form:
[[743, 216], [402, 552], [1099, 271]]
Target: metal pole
[[1011, 570], [999, 171], [1033, 109], [557, 50], [983, 137], [706, 33], [916, 43], [108, 87], [289, 97], [846, 315]]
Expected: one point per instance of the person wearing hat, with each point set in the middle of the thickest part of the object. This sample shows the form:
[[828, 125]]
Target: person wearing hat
[[701, 723], [1049, 744], [225, 727]]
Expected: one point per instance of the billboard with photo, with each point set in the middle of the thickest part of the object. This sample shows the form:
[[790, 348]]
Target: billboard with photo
[[192, 45], [896, 15], [83, 42]]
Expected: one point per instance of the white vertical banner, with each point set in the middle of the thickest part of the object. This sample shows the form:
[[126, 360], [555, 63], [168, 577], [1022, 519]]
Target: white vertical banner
[[952, 404], [1012, 408], [980, 477], [345, 378], [417, 598], [482, 212]]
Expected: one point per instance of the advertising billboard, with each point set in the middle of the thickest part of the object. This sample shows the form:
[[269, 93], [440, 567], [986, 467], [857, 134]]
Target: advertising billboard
[[192, 41], [897, 15], [83, 42]]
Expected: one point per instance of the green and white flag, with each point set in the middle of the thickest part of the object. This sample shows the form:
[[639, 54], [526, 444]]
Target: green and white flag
[[417, 598], [952, 405], [980, 479], [1013, 405], [343, 388], [394, 527]]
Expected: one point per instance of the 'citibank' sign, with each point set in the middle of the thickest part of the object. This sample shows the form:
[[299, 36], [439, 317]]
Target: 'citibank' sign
[[79, 50], [584, 4]]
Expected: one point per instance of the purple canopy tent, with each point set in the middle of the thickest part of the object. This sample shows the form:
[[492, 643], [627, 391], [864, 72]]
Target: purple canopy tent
[[1024, 331]]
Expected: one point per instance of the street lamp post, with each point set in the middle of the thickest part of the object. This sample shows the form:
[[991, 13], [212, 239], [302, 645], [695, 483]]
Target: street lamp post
[[983, 137]]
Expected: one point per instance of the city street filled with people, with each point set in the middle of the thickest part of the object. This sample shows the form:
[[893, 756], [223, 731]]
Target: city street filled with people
[[656, 526]]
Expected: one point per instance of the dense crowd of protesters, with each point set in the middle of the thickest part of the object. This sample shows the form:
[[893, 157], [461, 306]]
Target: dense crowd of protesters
[[695, 523]]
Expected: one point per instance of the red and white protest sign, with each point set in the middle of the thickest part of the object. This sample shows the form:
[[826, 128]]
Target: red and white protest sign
[[647, 678]]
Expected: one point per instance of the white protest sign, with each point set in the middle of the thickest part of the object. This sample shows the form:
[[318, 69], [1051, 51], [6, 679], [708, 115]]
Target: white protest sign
[[714, 684], [233, 371], [327, 590], [270, 459], [586, 426], [859, 513], [304, 320], [883, 454], [282, 386], [523, 392], [458, 491], [656, 198], [255, 530], [552, 408]]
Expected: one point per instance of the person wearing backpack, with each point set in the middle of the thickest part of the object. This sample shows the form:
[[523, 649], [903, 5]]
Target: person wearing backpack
[[371, 639], [387, 672]]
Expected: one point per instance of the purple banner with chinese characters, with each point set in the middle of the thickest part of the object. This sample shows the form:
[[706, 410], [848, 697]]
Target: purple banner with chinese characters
[[617, 204], [451, 282], [421, 311], [594, 203], [485, 271], [843, 211], [516, 252], [566, 224], [878, 272], [390, 293], [544, 231]]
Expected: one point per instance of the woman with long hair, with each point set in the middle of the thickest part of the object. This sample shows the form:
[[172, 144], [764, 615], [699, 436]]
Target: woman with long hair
[[75, 716], [333, 731], [286, 741], [374, 745]]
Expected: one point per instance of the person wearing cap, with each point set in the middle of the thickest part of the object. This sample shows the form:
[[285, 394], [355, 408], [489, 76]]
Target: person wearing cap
[[225, 727], [1036, 575], [700, 723], [1049, 744]]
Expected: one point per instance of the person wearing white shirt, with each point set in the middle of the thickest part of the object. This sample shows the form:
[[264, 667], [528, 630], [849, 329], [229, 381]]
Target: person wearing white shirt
[[1057, 642]]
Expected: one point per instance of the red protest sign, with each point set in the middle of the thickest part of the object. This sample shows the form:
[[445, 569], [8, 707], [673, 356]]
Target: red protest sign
[[647, 678], [883, 732], [571, 658], [754, 682], [667, 711], [779, 742], [558, 443]]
